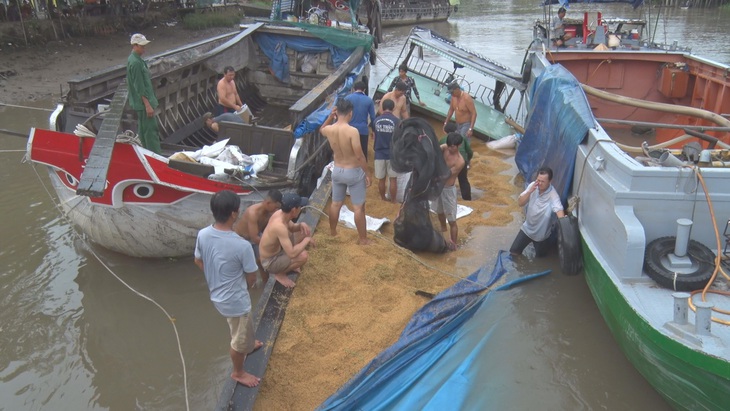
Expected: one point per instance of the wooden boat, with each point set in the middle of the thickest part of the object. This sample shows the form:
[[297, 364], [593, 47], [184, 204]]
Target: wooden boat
[[654, 230], [650, 84], [373, 13], [133, 201], [435, 61]]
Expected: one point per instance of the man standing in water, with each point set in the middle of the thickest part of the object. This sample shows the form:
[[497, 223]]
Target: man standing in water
[[141, 95], [283, 243], [542, 201], [224, 257], [228, 98], [350, 171], [445, 205], [466, 113]]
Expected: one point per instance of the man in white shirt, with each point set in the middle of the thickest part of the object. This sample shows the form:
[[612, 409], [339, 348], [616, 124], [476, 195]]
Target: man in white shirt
[[542, 201]]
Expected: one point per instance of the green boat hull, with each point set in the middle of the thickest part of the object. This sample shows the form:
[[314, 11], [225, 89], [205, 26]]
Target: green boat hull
[[685, 377]]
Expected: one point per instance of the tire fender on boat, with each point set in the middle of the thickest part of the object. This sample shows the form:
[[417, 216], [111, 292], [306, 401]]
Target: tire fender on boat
[[656, 265], [569, 251]]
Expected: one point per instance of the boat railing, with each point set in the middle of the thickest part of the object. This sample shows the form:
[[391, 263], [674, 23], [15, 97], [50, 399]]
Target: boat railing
[[443, 77]]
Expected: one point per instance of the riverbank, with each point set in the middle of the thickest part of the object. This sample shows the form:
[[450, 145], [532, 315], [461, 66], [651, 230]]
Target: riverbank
[[36, 75]]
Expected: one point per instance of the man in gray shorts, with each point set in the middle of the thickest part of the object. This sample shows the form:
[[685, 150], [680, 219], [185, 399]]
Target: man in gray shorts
[[445, 205], [351, 169]]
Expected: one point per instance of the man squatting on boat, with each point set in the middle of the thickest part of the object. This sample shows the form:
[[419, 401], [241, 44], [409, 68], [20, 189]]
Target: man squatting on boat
[[141, 94], [542, 200], [225, 257], [228, 99], [283, 243], [559, 36]]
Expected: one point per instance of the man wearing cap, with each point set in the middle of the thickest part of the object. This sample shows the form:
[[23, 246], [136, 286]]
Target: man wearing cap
[[212, 122], [398, 95], [141, 94], [283, 244], [463, 106]]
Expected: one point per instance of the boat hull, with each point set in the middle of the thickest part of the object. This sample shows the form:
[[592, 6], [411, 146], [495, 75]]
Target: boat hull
[[687, 379], [148, 208]]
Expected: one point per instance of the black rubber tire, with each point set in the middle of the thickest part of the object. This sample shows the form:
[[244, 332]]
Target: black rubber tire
[[569, 247], [700, 255]]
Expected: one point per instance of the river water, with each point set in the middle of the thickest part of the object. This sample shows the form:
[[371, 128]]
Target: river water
[[72, 337]]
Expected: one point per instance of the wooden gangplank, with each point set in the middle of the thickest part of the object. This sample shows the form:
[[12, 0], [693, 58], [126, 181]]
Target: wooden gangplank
[[268, 317], [93, 178]]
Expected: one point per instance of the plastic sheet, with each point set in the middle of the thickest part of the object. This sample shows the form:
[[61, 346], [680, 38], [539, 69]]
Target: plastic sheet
[[430, 366]]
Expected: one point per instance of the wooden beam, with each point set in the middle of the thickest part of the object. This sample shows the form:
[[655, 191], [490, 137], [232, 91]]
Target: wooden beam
[[93, 178]]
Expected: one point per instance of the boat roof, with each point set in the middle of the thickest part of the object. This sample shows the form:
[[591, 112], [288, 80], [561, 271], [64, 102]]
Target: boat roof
[[453, 51]]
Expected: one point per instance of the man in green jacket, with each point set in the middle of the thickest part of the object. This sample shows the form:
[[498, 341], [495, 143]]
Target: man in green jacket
[[467, 153], [141, 95]]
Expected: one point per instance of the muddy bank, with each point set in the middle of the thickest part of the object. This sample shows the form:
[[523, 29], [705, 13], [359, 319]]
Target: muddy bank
[[36, 75]]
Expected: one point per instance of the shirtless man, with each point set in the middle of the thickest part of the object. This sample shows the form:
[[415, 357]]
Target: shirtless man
[[228, 99], [350, 171], [445, 205], [463, 105], [282, 250], [252, 223], [398, 95]]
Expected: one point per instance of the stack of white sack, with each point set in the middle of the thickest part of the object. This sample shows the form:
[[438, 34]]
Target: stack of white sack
[[223, 157]]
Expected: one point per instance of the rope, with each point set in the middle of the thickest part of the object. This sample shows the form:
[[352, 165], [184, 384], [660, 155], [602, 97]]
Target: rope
[[718, 259], [98, 258]]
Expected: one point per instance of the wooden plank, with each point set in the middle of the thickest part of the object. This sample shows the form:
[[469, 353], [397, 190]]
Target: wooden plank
[[268, 317], [93, 178]]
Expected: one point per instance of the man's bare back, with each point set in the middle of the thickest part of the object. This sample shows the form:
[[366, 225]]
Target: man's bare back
[[345, 143], [401, 104], [252, 222]]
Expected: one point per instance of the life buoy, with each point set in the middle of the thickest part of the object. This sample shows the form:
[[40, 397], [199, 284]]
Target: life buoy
[[656, 265], [569, 251]]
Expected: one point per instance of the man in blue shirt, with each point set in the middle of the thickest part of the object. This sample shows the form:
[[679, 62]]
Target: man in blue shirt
[[363, 109], [385, 125], [225, 257]]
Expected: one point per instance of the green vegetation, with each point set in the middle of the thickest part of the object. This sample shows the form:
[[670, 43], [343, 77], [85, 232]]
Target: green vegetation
[[199, 21]]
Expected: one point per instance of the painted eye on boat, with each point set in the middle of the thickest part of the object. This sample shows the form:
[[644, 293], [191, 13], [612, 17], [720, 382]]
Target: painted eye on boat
[[143, 190], [71, 180]]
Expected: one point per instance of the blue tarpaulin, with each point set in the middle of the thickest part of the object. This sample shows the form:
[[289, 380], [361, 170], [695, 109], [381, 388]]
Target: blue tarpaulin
[[434, 364], [275, 45], [558, 119], [315, 120]]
